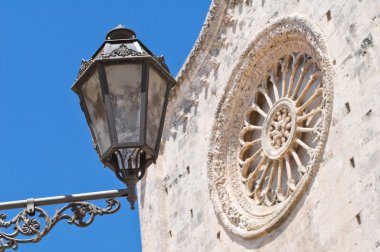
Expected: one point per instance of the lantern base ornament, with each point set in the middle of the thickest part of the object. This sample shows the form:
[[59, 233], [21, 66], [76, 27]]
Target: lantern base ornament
[[129, 166], [131, 186]]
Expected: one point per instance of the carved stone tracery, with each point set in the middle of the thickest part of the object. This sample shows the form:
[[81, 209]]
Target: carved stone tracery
[[271, 127]]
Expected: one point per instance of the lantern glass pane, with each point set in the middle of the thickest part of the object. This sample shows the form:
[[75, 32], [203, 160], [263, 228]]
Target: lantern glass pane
[[124, 84], [156, 99], [93, 99]]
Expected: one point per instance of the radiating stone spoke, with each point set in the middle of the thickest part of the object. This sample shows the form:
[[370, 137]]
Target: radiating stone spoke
[[245, 130], [256, 108], [247, 146], [296, 61], [275, 89], [267, 192], [279, 192], [317, 93], [303, 72], [265, 94], [305, 146], [317, 124], [301, 168], [259, 184], [248, 162], [313, 78], [284, 69], [252, 177], [305, 130], [312, 113], [290, 182]]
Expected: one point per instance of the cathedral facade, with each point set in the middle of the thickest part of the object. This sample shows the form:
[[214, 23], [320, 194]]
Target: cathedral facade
[[271, 138]]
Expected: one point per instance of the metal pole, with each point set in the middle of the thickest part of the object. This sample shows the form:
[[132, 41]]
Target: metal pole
[[64, 199]]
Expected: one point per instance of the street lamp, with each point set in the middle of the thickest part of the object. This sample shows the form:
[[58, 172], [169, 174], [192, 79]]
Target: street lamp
[[123, 91]]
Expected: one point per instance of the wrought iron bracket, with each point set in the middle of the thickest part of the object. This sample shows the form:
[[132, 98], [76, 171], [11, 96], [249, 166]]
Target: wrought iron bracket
[[31, 228]]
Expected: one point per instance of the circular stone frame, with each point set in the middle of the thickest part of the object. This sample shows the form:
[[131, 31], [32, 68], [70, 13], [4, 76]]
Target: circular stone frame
[[234, 208]]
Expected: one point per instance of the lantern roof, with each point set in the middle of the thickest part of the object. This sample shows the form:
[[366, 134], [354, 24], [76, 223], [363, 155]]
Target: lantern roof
[[120, 32], [121, 42]]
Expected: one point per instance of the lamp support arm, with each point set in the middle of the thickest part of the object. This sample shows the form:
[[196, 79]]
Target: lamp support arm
[[29, 227], [65, 199]]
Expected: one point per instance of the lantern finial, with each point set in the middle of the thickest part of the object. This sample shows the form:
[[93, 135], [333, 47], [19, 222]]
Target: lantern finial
[[120, 32]]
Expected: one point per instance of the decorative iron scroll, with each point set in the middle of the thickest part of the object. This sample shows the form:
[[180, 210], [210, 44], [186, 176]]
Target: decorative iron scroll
[[27, 225], [123, 51]]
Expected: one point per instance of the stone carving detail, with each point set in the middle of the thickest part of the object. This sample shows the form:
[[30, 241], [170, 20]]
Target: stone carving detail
[[271, 127], [280, 128]]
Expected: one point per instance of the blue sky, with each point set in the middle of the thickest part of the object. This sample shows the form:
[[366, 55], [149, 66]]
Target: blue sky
[[46, 146]]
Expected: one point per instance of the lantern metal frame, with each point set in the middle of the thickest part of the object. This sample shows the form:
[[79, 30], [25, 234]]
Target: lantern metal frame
[[123, 55], [147, 62], [122, 48]]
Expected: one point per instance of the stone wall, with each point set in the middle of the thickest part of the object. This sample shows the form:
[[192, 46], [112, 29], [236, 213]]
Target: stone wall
[[341, 209]]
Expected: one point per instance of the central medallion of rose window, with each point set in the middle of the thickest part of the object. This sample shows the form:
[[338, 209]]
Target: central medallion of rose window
[[280, 128]]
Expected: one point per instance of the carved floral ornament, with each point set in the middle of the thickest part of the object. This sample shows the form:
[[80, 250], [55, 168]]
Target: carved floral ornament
[[271, 127]]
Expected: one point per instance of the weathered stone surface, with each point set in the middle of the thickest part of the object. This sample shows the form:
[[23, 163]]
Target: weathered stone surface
[[340, 210]]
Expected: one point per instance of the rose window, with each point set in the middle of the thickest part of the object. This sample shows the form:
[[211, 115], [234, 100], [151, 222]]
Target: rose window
[[280, 129], [270, 127]]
